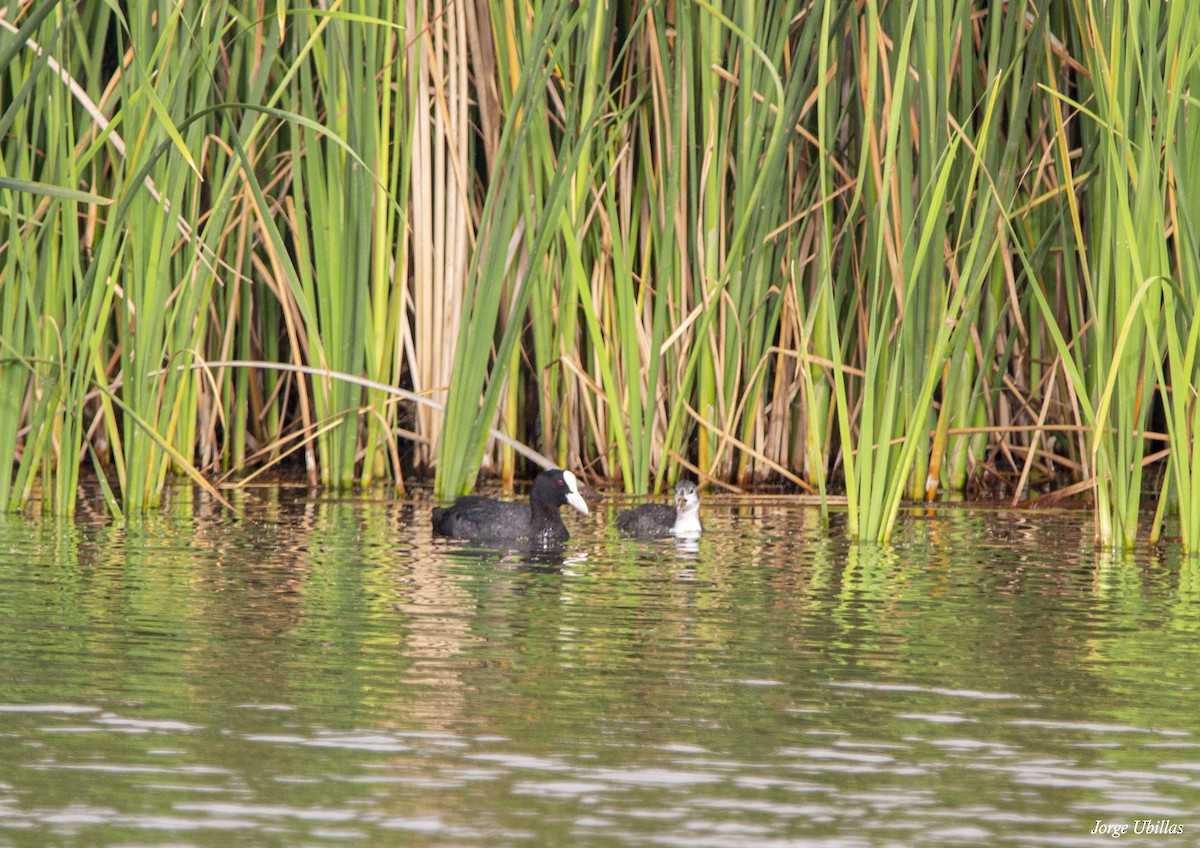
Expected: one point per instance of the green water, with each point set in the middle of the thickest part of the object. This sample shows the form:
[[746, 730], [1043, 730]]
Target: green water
[[323, 672]]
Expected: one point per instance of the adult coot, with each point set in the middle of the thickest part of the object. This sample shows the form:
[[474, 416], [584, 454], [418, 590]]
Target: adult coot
[[653, 520], [488, 520]]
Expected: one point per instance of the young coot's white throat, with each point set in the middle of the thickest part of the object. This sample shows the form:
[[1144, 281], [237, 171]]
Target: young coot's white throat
[[658, 520], [488, 520]]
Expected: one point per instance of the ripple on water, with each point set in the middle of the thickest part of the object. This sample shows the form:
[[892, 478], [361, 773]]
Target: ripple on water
[[378, 742], [56, 709], [325, 671], [931, 690]]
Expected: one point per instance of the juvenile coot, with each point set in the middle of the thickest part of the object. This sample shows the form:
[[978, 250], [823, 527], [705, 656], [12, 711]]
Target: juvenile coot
[[488, 520], [653, 520]]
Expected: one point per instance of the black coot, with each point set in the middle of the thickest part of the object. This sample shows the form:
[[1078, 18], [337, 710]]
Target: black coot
[[653, 520], [488, 520]]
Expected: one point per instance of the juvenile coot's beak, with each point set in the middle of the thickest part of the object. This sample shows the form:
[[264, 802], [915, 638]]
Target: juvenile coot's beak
[[573, 497]]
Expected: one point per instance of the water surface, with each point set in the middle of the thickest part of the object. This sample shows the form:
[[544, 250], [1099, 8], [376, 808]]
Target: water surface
[[323, 672]]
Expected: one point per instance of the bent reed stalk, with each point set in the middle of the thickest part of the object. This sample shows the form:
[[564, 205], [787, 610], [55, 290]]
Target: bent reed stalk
[[898, 248]]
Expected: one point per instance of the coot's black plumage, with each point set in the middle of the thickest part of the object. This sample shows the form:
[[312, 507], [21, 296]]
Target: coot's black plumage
[[657, 520], [489, 520]]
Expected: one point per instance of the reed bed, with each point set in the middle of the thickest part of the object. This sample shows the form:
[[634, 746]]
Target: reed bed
[[895, 248]]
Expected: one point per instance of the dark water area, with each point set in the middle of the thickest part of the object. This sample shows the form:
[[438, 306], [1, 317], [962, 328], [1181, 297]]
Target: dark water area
[[324, 672]]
